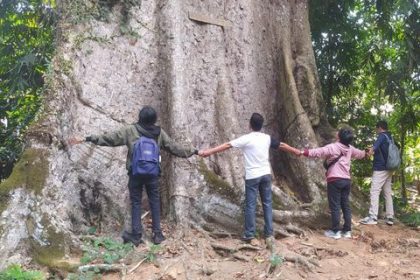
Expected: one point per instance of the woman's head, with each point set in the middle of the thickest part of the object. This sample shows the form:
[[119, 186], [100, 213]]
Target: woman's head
[[345, 136]]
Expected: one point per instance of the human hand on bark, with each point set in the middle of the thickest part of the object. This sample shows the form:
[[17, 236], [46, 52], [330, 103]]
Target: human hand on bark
[[204, 153], [287, 148], [75, 140]]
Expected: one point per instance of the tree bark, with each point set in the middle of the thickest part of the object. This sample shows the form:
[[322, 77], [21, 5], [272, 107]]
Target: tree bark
[[205, 81]]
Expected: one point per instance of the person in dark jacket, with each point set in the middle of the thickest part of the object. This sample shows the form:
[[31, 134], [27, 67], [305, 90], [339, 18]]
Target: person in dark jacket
[[381, 177], [127, 136]]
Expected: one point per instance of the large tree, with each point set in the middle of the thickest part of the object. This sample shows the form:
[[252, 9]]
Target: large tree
[[204, 79]]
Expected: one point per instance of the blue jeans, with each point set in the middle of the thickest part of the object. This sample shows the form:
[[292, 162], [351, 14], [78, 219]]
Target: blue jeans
[[252, 186], [135, 186], [338, 199]]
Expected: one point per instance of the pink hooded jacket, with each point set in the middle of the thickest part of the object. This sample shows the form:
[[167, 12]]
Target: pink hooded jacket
[[341, 169]]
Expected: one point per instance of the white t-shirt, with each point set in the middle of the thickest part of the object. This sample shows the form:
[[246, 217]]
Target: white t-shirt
[[255, 146]]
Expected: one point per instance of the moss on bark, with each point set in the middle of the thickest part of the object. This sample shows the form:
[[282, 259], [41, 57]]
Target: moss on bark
[[52, 253], [217, 184], [30, 172]]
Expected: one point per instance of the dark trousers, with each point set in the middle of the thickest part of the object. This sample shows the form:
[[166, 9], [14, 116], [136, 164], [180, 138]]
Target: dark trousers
[[252, 187], [338, 198], [135, 186]]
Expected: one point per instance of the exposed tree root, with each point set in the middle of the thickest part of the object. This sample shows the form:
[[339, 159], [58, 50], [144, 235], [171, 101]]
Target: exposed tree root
[[286, 217], [285, 199], [309, 264], [103, 268], [306, 205], [217, 235], [281, 234], [202, 231], [234, 249], [315, 251], [136, 266], [295, 229], [240, 257]]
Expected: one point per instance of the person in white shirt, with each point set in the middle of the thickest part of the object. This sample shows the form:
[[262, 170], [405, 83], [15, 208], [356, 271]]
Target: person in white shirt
[[255, 147]]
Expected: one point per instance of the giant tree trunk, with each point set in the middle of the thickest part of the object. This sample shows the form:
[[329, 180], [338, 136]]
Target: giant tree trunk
[[205, 81]]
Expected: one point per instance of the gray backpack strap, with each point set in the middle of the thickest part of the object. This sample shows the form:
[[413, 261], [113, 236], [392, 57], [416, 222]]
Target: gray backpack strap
[[390, 140]]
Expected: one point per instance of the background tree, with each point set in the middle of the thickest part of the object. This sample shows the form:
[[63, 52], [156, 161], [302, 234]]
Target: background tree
[[26, 47], [367, 57]]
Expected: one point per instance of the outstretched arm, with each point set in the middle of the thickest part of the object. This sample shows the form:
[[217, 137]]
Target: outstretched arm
[[220, 148], [176, 149], [287, 148], [75, 140]]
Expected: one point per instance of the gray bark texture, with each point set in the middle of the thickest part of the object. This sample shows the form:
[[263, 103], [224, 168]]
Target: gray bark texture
[[205, 81]]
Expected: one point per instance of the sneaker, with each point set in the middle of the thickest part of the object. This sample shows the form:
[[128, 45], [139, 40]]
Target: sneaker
[[247, 239], [269, 242], [345, 234], [131, 238], [250, 240], [369, 220], [158, 238], [332, 234], [390, 221], [254, 242]]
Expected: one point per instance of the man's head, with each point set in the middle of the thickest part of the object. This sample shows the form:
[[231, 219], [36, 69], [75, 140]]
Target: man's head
[[256, 122], [147, 116], [345, 136], [381, 126]]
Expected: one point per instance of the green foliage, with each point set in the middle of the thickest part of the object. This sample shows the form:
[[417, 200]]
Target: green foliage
[[104, 250], [26, 47], [79, 11], [367, 58], [92, 230], [405, 213], [411, 219], [152, 253], [15, 272], [276, 260]]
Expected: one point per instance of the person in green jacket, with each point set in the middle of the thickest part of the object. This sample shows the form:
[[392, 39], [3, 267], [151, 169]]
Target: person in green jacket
[[128, 135]]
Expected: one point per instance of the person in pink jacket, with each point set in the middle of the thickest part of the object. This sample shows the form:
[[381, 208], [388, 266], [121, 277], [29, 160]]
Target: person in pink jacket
[[338, 156]]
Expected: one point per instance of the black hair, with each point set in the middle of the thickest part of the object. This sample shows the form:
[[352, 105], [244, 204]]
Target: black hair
[[147, 116], [256, 122], [382, 124], [345, 136]]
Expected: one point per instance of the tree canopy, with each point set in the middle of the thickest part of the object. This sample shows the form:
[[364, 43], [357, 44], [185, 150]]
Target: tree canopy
[[367, 54], [26, 47]]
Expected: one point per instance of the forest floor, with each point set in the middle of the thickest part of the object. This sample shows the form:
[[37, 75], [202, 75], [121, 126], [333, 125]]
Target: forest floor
[[374, 252]]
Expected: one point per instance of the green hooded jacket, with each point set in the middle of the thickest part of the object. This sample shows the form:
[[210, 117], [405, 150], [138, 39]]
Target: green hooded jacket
[[130, 133]]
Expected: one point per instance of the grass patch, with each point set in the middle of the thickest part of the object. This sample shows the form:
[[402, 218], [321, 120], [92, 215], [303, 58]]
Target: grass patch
[[151, 255], [104, 250], [15, 272], [411, 219], [97, 251]]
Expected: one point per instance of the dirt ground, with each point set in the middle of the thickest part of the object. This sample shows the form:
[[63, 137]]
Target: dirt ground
[[374, 252]]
